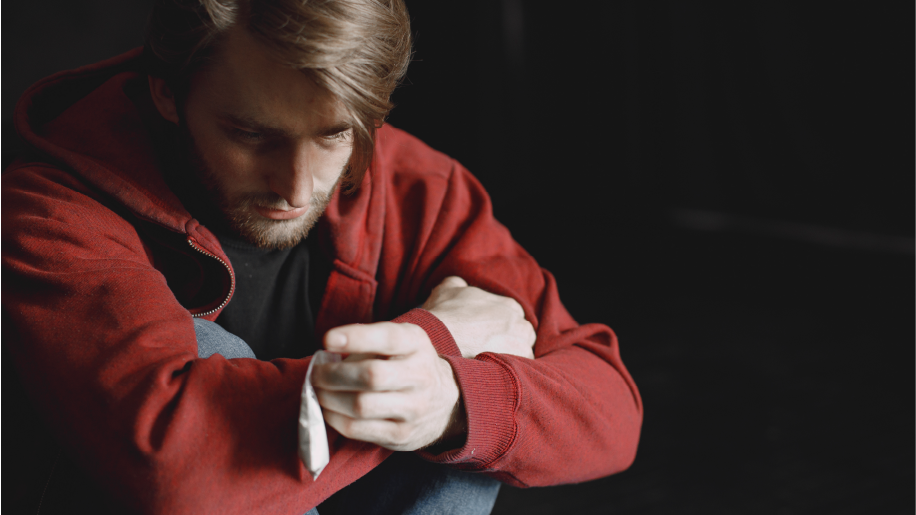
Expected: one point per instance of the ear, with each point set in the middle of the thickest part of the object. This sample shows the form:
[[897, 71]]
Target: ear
[[163, 98]]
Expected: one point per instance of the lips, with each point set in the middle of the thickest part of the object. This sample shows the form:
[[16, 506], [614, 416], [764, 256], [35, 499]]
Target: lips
[[280, 214]]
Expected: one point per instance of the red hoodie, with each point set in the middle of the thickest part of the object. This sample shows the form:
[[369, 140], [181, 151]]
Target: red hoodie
[[104, 269]]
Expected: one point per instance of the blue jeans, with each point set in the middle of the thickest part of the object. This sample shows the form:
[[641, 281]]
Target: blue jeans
[[402, 484]]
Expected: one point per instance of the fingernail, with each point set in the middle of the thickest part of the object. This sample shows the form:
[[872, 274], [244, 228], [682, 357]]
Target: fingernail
[[335, 340]]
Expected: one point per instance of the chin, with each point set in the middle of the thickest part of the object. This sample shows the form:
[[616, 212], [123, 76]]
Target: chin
[[276, 234], [273, 234], [268, 233]]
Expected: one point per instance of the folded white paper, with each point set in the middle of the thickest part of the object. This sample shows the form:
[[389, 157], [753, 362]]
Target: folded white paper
[[313, 439]]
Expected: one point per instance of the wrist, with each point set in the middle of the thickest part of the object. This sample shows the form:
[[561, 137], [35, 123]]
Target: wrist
[[455, 433]]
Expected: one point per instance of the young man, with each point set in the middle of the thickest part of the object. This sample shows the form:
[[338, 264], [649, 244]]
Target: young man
[[226, 194]]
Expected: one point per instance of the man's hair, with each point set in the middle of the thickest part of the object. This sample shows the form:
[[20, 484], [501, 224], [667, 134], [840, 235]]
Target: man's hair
[[358, 50]]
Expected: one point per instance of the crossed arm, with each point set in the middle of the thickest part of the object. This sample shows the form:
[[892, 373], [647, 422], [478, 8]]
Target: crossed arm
[[167, 432], [394, 390]]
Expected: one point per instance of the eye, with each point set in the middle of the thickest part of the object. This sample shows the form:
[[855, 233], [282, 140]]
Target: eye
[[248, 136], [343, 135]]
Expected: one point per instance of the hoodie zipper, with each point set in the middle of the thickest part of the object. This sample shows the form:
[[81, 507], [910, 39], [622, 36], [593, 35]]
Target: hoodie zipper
[[197, 247]]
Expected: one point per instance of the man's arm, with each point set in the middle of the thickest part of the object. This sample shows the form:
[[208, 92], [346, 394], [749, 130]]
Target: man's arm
[[109, 359], [394, 390], [573, 413], [480, 321]]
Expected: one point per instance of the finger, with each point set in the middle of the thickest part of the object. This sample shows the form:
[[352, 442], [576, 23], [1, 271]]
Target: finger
[[453, 281], [384, 338], [386, 433], [358, 376], [353, 358], [366, 405]]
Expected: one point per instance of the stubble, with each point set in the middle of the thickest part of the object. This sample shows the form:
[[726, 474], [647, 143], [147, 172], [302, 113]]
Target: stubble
[[238, 209]]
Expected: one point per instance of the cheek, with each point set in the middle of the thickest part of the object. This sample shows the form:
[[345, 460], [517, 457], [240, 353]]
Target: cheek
[[226, 163], [330, 165], [232, 166]]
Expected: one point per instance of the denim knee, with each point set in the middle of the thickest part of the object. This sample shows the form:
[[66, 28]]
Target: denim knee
[[213, 339]]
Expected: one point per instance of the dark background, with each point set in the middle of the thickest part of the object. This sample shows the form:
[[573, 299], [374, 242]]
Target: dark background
[[730, 186]]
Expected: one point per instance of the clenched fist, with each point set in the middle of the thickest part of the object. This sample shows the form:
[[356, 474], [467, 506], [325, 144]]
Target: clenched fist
[[393, 390], [481, 321]]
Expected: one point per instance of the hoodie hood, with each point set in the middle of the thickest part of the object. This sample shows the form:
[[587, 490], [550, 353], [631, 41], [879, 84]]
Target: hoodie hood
[[99, 122]]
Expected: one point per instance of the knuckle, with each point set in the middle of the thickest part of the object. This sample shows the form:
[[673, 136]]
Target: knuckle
[[343, 425], [369, 374], [414, 330], [350, 429], [380, 331], [360, 406], [411, 335], [375, 374]]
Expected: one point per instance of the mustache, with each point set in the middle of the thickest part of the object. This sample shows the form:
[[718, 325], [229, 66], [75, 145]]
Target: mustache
[[275, 201]]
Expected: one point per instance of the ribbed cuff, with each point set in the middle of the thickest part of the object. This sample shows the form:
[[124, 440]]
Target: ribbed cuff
[[491, 396], [490, 391], [439, 334]]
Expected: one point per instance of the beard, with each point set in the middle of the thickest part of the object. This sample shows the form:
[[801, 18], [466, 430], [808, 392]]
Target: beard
[[238, 208], [263, 232]]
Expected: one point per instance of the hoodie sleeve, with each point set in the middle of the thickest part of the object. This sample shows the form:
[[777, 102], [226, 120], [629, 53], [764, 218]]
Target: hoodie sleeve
[[571, 414], [109, 359]]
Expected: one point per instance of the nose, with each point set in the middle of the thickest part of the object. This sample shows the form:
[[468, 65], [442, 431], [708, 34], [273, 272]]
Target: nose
[[292, 179]]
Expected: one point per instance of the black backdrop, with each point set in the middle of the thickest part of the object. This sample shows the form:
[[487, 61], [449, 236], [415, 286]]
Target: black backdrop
[[728, 185]]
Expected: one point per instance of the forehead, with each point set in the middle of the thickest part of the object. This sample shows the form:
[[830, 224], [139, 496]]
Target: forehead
[[245, 81]]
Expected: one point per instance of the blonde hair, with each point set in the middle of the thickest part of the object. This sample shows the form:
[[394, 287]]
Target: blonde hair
[[358, 50]]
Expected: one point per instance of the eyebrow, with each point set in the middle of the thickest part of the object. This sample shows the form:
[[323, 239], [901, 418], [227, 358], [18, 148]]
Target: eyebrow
[[267, 130]]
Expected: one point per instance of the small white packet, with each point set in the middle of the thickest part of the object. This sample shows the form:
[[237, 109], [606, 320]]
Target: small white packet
[[313, 439]]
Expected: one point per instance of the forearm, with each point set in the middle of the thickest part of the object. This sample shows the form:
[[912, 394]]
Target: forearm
[[570, 415], [562, 418], [156, 427], [211, 432]]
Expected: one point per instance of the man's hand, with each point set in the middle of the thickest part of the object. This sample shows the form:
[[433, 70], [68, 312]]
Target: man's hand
[[393, 390], [481, 321]]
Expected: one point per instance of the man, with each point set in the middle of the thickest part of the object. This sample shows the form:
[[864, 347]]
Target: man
[[226, 194]]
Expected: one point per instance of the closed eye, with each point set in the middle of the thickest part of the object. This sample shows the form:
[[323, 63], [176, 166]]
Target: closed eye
[[341, 135], [248, 136]]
